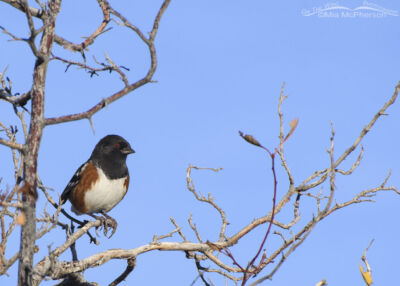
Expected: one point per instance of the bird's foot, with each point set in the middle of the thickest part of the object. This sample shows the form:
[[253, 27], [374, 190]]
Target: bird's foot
[[106, 223], [110, 223]]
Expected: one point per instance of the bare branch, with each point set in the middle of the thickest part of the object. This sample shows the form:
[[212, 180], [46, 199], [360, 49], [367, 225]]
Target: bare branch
[[209, 200], [332, 172], [61, 268], [281, 138], [117, 69], [56, 206], [194, 228], [156, 238], [89, 40], [12, 144], [17, 4], [367, 128], [127, 89], [355, 164], [12, 36], [131, 263], [129, 25], [178, 228]]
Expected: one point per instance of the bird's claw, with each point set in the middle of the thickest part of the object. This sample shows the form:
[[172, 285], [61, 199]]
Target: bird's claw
[[110, 222], [106, 223]]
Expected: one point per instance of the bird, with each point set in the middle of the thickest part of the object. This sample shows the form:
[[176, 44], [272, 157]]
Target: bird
[[101, 182]]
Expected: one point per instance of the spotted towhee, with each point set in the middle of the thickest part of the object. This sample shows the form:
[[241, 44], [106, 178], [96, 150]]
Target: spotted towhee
[[102, 182]]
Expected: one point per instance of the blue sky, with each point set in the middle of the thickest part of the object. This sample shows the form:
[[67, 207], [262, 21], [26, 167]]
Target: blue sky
[[221, 67]]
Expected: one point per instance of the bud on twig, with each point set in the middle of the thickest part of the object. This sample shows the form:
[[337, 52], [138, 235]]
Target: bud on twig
[[250, 139]]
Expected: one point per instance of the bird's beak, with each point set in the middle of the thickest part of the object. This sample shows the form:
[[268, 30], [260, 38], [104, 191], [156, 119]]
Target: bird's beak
[[127, 150]]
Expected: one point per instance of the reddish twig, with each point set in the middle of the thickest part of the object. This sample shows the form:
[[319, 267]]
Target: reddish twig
[[256, 269], [247, 273]]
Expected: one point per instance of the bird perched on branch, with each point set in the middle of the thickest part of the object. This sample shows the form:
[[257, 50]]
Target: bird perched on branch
[[102, 182]]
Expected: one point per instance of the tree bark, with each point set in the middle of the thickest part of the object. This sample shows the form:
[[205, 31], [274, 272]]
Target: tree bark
[[31, 148]]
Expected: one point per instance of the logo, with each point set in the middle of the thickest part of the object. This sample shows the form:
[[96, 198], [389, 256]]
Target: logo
[[335, 10]]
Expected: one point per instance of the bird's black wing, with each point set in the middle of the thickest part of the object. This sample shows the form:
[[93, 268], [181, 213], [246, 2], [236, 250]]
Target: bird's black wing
[[72, 183]]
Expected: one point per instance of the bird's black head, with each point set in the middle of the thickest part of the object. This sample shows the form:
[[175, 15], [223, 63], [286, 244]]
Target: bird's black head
[[110, 154]]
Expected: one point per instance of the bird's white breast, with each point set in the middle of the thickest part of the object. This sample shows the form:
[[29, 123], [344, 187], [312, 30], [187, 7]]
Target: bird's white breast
[[105, 194]]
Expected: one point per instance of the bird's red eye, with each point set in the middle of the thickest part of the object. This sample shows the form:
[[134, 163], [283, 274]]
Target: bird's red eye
[[122, 145], [116, 145]]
